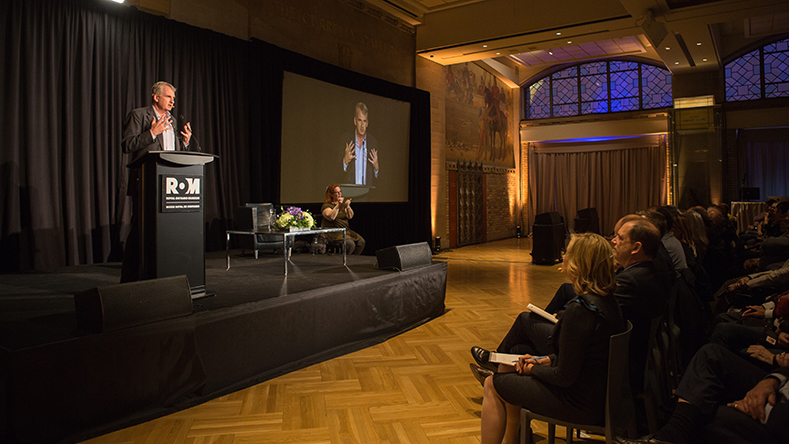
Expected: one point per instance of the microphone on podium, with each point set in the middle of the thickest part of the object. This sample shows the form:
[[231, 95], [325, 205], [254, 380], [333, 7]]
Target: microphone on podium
[[197, 142]]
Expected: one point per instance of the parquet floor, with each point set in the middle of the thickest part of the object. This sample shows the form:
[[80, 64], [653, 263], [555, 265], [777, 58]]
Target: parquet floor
[[414, 388]]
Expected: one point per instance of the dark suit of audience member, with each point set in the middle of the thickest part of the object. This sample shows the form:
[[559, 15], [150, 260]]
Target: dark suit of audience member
[[725, 399]]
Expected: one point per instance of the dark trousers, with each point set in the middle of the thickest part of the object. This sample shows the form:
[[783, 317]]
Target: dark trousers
[[717, 376], [530, 333]]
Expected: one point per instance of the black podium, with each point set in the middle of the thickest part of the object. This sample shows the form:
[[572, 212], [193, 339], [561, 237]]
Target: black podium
[[170, 206]]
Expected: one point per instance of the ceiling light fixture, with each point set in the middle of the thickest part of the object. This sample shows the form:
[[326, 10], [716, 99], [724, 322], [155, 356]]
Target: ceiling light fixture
[[484, 46], [676, 63], [119, 1], [698, 43], [667, 48], [558, 33], [703, 60], [549, 52], [569, 42], [498, 53]]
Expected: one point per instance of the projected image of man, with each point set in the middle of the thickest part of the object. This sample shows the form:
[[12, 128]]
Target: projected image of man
[[360, 159]]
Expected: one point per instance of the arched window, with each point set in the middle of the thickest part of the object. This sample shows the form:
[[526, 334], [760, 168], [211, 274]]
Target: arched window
[[760, 74], [598, 87]]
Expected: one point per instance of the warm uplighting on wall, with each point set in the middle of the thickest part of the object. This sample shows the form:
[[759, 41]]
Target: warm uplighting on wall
[[694, 102], [118, 1]]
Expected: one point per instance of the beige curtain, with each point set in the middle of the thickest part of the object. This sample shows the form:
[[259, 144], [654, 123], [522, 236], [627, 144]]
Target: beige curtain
[[616, 177]]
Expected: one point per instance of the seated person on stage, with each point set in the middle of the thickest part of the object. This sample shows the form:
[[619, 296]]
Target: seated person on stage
[[337, 213], [725, 399], [570, 383]]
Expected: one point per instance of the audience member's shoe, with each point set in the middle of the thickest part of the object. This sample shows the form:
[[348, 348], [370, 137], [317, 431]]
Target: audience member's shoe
[[646, 439], [481, 373], [481, 357]]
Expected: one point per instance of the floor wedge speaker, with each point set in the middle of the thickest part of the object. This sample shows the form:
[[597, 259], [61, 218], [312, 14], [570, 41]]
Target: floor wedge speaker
[[403, 257], [114, 307]]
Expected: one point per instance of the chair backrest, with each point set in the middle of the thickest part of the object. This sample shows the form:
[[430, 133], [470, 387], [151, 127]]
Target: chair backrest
[[619, 409]]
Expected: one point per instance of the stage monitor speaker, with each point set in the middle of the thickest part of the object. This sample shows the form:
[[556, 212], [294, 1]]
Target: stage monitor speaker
[[551, 218], [403, 257], [114, 307]]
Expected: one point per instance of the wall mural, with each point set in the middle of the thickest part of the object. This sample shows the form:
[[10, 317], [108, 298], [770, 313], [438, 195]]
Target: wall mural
[[478, 113]]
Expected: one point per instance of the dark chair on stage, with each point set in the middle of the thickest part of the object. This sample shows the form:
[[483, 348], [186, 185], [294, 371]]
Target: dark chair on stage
[[256, 217], [619, 418]]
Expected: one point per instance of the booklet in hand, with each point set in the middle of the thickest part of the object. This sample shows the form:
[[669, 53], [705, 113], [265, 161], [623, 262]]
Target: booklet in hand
[[543, 313]]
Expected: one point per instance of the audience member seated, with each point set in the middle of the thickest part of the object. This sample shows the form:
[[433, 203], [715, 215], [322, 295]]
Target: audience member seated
[[775, 249], [753, 289], [722, 398], [699, 228], [772, 226], [684, 232], [337, 213], [570, 383], [641, 291], [664, 221], [720, 253], [753, 342]]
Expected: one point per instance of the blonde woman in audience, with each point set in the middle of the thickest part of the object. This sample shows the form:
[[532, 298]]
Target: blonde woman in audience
[[569, 384]]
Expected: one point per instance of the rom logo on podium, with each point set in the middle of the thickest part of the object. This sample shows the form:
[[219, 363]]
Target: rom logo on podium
[[181, 193]]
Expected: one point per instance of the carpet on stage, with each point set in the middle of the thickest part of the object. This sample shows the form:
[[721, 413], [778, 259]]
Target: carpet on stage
[[61, 384]]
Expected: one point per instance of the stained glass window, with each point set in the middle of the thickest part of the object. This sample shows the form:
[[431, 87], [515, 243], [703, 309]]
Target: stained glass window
[[539, 100], [598, 87], [655, 87], [760, 74]]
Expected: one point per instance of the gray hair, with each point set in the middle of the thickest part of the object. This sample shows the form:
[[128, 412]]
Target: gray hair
[[159, 86], [361, 107]]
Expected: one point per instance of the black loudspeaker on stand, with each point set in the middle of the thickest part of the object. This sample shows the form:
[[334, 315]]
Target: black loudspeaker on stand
[[587, 221], [403, 257], [114, 307], [547, 238]]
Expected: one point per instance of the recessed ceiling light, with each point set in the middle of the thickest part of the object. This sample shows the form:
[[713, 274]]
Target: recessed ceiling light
[[549, 52], [484, 46], [698, 43], [498, 53], [667, 48], [676, 63], [569, 41], [558, 33], [703, 60]]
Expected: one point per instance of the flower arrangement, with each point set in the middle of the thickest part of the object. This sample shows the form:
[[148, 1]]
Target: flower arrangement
[[294, 218]]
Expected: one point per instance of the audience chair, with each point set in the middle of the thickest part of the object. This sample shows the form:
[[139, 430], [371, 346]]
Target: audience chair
[[657, 378], [619, 418]]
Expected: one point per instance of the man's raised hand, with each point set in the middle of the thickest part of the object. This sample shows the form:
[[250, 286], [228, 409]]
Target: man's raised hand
[[349, 153]]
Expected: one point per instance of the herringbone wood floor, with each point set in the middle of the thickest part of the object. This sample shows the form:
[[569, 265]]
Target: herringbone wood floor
[[414, 388]]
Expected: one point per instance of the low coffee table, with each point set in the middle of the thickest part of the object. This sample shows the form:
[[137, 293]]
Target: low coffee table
[[285, 235]]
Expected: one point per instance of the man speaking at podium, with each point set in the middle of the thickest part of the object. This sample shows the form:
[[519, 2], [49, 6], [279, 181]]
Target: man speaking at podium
[[151, 128]]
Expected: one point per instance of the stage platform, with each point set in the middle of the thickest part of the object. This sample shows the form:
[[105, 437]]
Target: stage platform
[[60, 384]]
